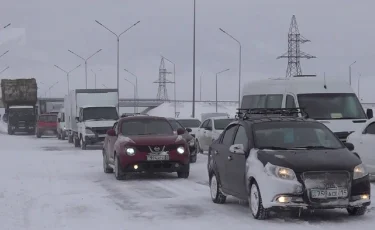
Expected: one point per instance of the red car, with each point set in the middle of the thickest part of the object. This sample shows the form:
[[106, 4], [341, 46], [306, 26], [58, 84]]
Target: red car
[[145, 144], [46, 123]]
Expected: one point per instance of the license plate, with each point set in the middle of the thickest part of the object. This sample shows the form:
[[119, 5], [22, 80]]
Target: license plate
[[158, 158], [328, 193]]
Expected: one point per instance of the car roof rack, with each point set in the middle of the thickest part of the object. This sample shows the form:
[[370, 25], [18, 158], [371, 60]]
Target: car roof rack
[[270, 112], [133, 114]]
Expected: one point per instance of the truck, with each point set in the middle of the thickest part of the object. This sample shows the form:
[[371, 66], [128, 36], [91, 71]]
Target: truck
[[89, 114], [19, 97]]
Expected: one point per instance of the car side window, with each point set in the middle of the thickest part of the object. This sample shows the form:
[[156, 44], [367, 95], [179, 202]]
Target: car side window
[[204, 124], [209, 124], [228, 135], [241, 137], [290, 103], [115, 127], [370, 129]]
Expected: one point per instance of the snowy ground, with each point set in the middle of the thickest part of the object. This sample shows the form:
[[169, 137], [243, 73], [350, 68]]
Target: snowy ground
[[48, 184]]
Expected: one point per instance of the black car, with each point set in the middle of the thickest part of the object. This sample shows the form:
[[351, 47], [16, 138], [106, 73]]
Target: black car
[[189, 138], [278, 161]]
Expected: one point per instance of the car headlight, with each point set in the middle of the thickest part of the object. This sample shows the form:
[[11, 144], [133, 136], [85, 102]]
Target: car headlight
[[181, 150], [130, 151], [280, 172], [89, 132], [359, 171], [192, 142]]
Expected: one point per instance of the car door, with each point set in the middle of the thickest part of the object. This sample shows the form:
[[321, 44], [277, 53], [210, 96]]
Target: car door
[[111, 143], [207, 136], [236, 164], [365, 147], [221, 155], [200, 132]]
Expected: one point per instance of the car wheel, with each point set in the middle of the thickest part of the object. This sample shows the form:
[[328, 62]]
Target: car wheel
[[58, 136], [256, 203], [76, 142], [199, 150], [38, 134], [106, 167], [183, 174], [62, 137], [83, 144], [357, 211], [70, 139], [193, 159], [118, 172], [216, 195]]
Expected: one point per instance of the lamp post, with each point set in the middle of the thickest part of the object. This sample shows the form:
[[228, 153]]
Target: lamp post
[[174, 82], [49, 89], [6, 25], [239, 68], [134, 92], [136, 86], [95, 75], [85, 60], [200, 87], [118, 54], [350, 72], [4, 70], [4, 53], [359, 79], [216, 83], [67, 73], [193, 109]]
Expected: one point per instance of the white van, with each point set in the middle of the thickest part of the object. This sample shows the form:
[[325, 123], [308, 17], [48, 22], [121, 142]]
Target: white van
[[331, 102]]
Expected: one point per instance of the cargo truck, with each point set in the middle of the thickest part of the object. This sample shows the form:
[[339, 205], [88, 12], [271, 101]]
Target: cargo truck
[[19, 97], [89, 114]]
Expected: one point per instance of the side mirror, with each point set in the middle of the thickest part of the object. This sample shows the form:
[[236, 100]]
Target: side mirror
[[58, 120], [349, 146], [369, 113], [77, 119], [111, 133], [180, 131], [189, 129], [237, 148]]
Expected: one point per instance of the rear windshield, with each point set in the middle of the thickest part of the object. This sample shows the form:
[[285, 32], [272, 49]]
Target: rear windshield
[[146, 127], [189, 123], [48, 118]]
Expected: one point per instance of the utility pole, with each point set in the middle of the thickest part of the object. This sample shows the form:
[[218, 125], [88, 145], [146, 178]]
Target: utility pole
[[136, 86], [200, 87], [174, 86], [350, 72], [67, 74], [193, 110], [118, 55], [134, 92], [216, 83], [358, 83], [85, 60]]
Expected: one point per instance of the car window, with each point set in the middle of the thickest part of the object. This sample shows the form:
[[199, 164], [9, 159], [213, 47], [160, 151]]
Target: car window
[[228, 136], [241, 137], [146, 127], [274, 100], [209, 124], [221, 124], [290, 103], [291, 134], [189, 123], [48, 118], [175, 125], [204, 124], [370, 129]]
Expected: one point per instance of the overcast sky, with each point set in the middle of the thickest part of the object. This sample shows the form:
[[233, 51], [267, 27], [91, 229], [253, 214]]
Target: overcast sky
[[42, 31]]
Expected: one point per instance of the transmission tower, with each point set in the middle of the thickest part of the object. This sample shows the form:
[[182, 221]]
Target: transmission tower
[[294, 53], [162, 81]]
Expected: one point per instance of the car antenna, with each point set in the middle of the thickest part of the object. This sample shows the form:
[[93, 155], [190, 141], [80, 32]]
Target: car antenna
[[325, 84]]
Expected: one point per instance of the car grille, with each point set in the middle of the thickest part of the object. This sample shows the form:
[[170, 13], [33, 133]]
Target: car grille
[[146, 148], [342, 135], [101, 130], [325, 180]]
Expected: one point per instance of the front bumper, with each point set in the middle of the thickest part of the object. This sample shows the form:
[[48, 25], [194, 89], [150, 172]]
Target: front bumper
[[161, 166], [297, 195], [22, 128], [94, 139]]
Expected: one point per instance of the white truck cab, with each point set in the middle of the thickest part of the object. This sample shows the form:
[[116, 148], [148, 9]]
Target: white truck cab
[[332, 102]]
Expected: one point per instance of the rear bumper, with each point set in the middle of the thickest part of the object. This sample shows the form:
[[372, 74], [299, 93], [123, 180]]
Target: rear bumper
[[46, 129]]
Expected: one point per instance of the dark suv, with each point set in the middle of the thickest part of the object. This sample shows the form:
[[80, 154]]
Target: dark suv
[[278, 161]]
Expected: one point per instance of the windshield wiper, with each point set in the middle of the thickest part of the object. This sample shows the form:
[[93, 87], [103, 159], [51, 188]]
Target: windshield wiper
[[313, 147], [273, 148]]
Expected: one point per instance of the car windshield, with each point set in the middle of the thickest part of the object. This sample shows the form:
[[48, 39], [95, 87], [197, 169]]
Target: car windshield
[[221, 124], [294, 134], [189, 123], [48, 118], [100, 113], [23, 112], [175, 125], [146, 127], [327, 106]]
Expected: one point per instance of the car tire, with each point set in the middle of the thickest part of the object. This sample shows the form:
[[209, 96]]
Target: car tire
[[106, 167], [70, 139], [119, 174], [357, 211], [76, 142], [58, 136], [82, 144], [183, 174], [256, 203], [193, 159], [38, 134], [216, 195], [63, 136], [199, 150]]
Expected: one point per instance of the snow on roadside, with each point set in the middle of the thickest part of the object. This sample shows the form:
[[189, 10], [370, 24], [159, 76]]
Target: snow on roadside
[[185, 109]]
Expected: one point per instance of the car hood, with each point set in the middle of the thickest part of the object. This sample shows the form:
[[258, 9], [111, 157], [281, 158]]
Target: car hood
[[152, 139], [187, 136], [311, 160], [98, 124]]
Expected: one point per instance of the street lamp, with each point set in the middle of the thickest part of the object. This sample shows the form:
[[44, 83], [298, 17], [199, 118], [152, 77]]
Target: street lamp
[[216, 83], [4, 70], [134, 92], [174, 82], [49, 89], [239, 68], [95, 75], [193, 109], [118, 54], [4, 53], [85, 60], [200, 87], [136, 86], [7, 25], [350, 72], [359, 78], [67, 73]]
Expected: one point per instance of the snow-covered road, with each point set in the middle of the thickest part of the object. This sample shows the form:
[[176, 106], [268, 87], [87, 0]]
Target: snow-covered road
[[48, 184]]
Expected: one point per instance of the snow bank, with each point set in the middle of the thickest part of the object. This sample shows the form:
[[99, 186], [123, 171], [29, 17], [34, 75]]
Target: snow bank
[[185, 109]]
